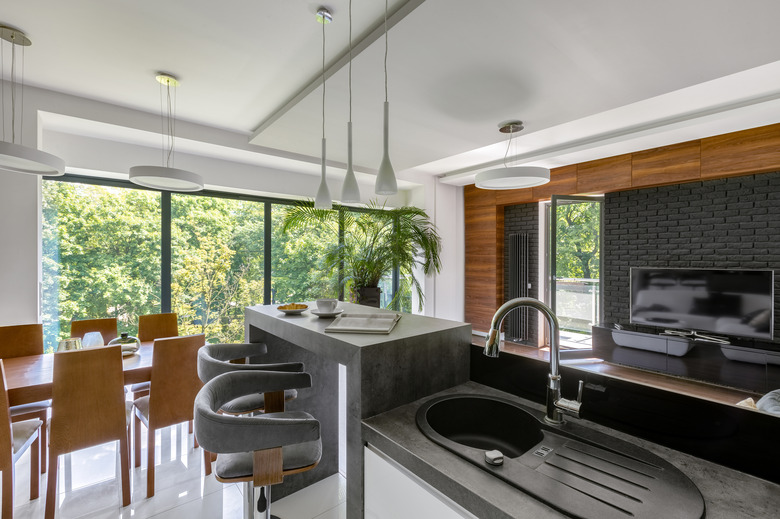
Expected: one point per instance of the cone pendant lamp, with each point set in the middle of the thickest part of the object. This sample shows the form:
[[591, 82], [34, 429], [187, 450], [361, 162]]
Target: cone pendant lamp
[[385, 179], [323, 199]]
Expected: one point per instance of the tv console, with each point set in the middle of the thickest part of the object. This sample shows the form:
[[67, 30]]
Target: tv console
[[696, 336], [738, 364]]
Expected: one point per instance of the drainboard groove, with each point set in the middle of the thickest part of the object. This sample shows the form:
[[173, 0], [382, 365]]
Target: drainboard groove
[[597, 469], [563, 481], [592, 481], [619, 460]]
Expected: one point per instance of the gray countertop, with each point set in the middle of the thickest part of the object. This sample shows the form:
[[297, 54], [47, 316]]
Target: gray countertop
[[728, 494]]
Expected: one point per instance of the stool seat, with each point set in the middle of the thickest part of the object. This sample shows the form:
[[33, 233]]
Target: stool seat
[[253, 403]]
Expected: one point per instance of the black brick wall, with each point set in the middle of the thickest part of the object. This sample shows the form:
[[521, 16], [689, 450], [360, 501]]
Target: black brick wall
[[725, 223], [523, 218]]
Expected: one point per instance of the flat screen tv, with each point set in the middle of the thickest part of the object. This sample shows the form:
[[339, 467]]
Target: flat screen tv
[[737, 303]]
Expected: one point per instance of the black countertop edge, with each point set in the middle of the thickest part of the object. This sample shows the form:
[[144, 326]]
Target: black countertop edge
[[728, 493]]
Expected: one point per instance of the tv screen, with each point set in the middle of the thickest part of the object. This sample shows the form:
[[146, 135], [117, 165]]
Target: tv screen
[[723, 302]]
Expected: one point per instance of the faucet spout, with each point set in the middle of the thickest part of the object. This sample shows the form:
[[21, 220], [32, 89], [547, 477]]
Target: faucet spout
[[555, 404]]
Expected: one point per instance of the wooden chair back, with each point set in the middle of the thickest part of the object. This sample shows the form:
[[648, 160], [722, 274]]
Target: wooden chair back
[[88, 399], [21, 340], [106, 326], [175, 381], [6, 436], [157, 326]]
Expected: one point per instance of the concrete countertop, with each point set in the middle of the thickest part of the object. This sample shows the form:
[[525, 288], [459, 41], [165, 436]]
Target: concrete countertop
[[728, 494]]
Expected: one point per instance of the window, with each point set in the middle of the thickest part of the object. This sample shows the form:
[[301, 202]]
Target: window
[[112, 249], [216, 264], [297, 269], [574, 230], [101, 255]]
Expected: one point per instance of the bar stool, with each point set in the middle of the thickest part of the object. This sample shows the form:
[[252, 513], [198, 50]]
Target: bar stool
[[215, 359], [257, 450]]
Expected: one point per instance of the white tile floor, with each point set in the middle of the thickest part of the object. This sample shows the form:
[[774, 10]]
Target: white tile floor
[[89, 488]]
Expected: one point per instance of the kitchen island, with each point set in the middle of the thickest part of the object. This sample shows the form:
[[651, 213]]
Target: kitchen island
[[419, 357]]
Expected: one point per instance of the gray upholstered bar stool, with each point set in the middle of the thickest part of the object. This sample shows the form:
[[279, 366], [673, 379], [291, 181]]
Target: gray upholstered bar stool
[[215, 359], [258, 450]]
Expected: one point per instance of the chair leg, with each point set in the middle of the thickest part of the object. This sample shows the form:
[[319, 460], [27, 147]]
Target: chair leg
[[207, 462], [137, 440], [35, 467], [150, 462], [124, 464], [44, 440], [8, 491], [51, 485]]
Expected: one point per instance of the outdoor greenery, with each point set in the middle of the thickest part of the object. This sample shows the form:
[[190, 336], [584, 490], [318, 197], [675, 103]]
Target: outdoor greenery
[[375, 241], [577, 244], [101, 258]]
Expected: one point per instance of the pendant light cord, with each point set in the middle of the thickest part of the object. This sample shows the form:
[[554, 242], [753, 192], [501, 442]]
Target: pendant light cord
[[385, 51], [323, 78], [508, 143], [350, 60]]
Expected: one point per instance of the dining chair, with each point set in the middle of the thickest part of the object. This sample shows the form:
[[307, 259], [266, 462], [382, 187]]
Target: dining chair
[[216, 359], [88, 409], [152, 327], [174, 384], [15, 439], [157, 326], [258, 450], [23, 340], [107, 327]]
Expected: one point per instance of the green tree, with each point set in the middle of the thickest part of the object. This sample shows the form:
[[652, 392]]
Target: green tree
[[577, 244]]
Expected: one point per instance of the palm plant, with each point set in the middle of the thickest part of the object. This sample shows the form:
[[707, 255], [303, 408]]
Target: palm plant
[[375, 241]]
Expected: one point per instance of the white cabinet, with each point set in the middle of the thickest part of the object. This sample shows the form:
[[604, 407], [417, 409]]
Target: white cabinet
[[391, 491]]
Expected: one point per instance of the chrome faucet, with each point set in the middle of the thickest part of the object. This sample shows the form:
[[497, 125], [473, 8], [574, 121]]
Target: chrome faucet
[[556, 405]]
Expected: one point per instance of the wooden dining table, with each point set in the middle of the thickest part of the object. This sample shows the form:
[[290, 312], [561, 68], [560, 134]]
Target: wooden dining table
[[29, 379]]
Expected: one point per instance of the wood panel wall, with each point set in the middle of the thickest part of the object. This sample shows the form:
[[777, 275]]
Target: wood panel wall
[[746, 152]]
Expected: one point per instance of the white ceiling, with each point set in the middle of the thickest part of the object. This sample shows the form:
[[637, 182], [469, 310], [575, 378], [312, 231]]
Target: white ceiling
[[589, 79]]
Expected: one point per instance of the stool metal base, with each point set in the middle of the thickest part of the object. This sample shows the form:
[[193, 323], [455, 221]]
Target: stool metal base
[[250, 503]]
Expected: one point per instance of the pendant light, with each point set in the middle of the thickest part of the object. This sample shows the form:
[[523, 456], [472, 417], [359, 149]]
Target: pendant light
[[166, 177], [323, 200], [350, 191], [14, 157], [385, 179], [514, 177]]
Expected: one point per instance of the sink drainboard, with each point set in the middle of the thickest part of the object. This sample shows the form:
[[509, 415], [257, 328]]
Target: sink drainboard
[[587, 475]]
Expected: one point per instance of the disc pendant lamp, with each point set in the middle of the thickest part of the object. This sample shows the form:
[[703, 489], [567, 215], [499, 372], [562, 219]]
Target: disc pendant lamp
[[323, 199], [385, 179], [15, 157], [167, 177], [512, 177], [350, 191]]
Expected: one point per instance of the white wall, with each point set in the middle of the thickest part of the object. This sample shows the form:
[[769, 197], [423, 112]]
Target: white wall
[[19, 256], [97, 137]]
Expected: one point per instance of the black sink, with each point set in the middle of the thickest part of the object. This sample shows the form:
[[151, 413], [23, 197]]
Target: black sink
[[576, 470], [485, 424]]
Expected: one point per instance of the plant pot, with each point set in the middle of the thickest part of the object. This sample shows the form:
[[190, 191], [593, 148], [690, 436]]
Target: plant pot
[[368, 296]]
